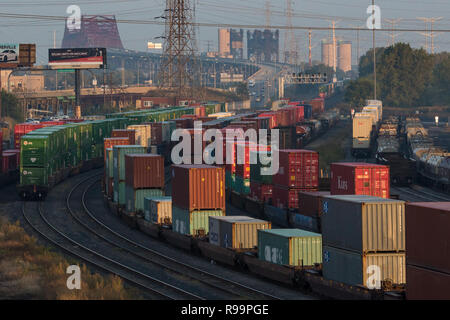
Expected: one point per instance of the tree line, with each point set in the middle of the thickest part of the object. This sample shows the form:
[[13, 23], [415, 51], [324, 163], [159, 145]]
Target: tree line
[[406, 77]]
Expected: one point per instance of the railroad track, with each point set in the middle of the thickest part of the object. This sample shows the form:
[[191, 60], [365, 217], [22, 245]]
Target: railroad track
[[414, 195], [158, 289], [232, 289]]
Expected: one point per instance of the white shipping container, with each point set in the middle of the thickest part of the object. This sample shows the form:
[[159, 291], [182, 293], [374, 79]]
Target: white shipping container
[[362, 125], [361, 143], [158, 210], [372, 113]]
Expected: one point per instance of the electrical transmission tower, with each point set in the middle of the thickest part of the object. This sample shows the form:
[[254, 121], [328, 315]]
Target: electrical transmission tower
[[179, 68], [268, 14], [290, 42], [432, 34], [393, 35]]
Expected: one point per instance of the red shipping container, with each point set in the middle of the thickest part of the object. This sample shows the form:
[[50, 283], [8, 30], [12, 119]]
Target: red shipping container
[[198, 187], [262, 192], [318, 105], [121, 133], [273, 119], [423, 284], [360, 179], [298, 169], [428, 235], [110, 142], [52, 123], [310, 203], [144, 171], [285, 198], [16, 152], [9, 162], [184, 123]]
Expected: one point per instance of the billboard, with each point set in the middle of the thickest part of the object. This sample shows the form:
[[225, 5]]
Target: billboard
[[9, 55], [77, 58]]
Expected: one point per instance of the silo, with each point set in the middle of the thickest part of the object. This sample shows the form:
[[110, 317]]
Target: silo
[[345, 56], [327, 53]]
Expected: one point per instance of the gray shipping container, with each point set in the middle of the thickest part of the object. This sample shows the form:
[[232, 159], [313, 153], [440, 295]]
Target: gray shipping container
[[363, 223], [236, 232], [361, 269]]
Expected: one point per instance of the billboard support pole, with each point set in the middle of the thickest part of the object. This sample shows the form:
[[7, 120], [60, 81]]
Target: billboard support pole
[[77, 88]]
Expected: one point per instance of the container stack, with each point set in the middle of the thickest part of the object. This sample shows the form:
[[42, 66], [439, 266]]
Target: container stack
[[428, 251], [122, 133], [260, 177], [236, 232], [360, 179], [158, 210], [363, 235], [298, 171], [310, 210], [144, 178], [119, 153], [143, 134], [198, 192], [290, 247], [108, 177]]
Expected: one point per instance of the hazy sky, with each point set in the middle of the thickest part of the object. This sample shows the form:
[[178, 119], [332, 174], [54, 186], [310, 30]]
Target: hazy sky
[[318, 13]]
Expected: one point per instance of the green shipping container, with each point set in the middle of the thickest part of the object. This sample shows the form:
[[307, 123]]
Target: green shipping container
[[257, 170], [292, 247], [119, 192], [109, 163], [230, 180], [186, 222], [242, 185], [34, 176], [134, 198], [119, 153], [35, 151]]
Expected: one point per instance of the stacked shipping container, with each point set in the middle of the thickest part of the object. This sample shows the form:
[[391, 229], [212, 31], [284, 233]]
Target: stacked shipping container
[[363, 235], [198, 192], [428, 251]]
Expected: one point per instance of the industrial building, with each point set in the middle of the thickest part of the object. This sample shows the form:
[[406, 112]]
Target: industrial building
[[263, 45], [343, 54], [231, 43]]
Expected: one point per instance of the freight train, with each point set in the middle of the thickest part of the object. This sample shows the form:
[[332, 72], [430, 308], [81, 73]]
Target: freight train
[[433, 164], [49, 155], [365, 128], [390, 151]]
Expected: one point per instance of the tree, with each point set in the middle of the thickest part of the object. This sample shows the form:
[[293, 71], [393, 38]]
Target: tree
[[358, 91], [10, 107], [242, 89]]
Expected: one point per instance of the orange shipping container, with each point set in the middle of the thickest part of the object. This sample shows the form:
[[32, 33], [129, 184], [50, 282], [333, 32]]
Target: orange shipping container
[[110, 142], [198, 187], [144, 171]]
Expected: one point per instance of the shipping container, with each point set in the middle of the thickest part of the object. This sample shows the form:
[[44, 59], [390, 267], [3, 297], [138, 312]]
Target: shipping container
[[261, 192], [143, 171], [428, 235], [298, 169], [198, 187], [122, 133], [362, 126], [36, 151], [425, 284], [363, 223], [261, 171], [358, 269], [34, 176], [119, 153], [9, 162], [285, 198], [360, 179], [134, 198], [158, 210], [192, 222], [241, 186], [236, 232], [292, 247], [143, 134], [111, 142], [310, 203]]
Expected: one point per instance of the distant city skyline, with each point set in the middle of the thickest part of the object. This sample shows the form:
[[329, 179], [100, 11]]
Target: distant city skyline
[[317, 13]]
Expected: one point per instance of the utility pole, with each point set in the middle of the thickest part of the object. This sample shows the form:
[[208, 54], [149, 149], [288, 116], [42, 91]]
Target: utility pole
[[310, 47], [268, 14], [334, 48], [393, 23], [289, 41], [374, 53], [357, 47]]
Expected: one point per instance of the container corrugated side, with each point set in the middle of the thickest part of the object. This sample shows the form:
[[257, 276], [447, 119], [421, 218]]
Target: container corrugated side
[[362, 126], [292, 247], [241, 234], [158, 210], [134, 198], [144, 171], [356, 269], [191, 222], [363, 223], [215, 231], [423, 284], [428, 235], [119, 153]]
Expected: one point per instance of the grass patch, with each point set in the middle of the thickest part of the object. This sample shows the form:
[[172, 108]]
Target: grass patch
[[31, 271]]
